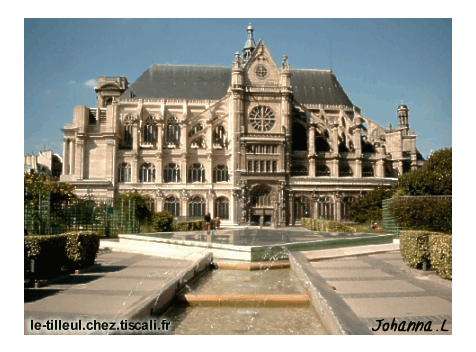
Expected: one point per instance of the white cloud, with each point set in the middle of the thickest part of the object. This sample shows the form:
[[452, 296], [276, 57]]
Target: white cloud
[[90, 83]]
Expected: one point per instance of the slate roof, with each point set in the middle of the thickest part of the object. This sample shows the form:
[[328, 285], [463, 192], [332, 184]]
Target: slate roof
[[212, 82]]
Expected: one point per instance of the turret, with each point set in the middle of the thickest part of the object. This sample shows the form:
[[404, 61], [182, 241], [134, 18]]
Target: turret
[[403, 114], [250, 44]]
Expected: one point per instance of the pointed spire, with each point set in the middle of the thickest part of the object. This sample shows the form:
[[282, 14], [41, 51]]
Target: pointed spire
[[250, 44]]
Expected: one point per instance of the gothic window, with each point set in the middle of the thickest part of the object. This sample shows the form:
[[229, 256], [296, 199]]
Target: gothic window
[[261, 72], [322, 170], [222, 206], [299, 137], [343, 145], [150, 130], [345, 170], [299, 170], [128, 130], [147, 173], [196, 207], [275, 166], [125, 173], [220, 173], [321, 144], [195, 129], [261, 197], [172, 173], [196, 173], [367, 171], [172, 204], [268, 166], [173, 130], [219, 135], [250, 166], [262, 118], [257, 169]]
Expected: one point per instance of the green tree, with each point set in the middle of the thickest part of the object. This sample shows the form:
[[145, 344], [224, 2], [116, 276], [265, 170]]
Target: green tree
[[370, 206], [434, 178], [36, 185], [163, 221], [138, 204]]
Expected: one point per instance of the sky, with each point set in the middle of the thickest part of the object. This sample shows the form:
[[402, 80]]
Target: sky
[[378, 62]]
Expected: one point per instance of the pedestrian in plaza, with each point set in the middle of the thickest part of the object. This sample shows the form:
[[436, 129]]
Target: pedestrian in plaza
[[208, 222]]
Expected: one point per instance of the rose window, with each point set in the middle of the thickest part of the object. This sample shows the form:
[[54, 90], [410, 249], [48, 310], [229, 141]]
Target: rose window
[[261, 71], [262, 118]]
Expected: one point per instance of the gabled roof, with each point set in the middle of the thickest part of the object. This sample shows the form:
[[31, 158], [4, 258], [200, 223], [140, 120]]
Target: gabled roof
[[212, 82]]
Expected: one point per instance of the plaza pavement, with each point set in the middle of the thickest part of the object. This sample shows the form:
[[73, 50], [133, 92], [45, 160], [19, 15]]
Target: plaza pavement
[[381, 286], [123, 286]]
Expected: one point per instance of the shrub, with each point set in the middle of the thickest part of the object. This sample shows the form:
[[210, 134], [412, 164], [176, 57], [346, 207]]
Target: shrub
[[325, 225], [370, 206], [163, 221], [423, 213], [197, 225], [415, 248], [48, 253], [81, 248], [441, 254]]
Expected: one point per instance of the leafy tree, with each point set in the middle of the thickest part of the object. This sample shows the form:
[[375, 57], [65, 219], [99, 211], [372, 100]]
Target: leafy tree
[[36, 185], [434, 178], [140, 204], [370, 206]]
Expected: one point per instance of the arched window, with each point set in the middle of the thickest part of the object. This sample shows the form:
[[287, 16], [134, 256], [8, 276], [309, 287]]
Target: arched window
[[321, 144], [196, 207], [322, 170], [150, 130], [222, 208], [195, 129], [173, 131], [147, 173], [172, 173], [301, 205], [220, 173], [124, 173], [261, 197], [108, 101], [219, 135], [299, 170], [172, 204], [367, 171], [299, 137], [196, 173], [128, 130], [343, 144], [345, 170]]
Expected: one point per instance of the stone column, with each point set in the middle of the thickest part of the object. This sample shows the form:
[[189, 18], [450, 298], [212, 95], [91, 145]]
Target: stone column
[[160, 168], [312, 140], [208, 168], [312, 167], [183, 136], [134, 168], [183, 169], [338, 203], [335, 168], [79, 171], [135, 135], [358, 168], [72, 159], [66, 156]]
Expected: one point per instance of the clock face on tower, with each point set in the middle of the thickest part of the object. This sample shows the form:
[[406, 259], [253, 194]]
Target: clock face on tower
[[262, 118]]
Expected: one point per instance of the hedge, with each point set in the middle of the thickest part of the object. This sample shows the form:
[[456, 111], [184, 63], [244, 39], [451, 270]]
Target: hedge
[[325, 225], [423, 213], [433, 247], [441, 254], [197, 225], [54, 254]]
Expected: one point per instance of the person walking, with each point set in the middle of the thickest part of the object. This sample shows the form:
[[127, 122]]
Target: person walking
[[208, 222]]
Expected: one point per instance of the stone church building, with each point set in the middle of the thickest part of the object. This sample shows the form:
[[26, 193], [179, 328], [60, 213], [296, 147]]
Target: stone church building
[[253, 140]]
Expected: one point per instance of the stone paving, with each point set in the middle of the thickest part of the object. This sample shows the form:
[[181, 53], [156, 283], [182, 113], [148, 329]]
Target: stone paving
[[119, 286], [382, 286]]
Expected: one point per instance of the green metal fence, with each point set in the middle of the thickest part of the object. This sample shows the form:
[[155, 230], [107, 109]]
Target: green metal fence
[[105, 216], [389, 223]]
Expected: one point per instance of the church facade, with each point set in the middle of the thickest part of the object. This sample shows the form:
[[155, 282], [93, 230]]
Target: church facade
[[255, 141]]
